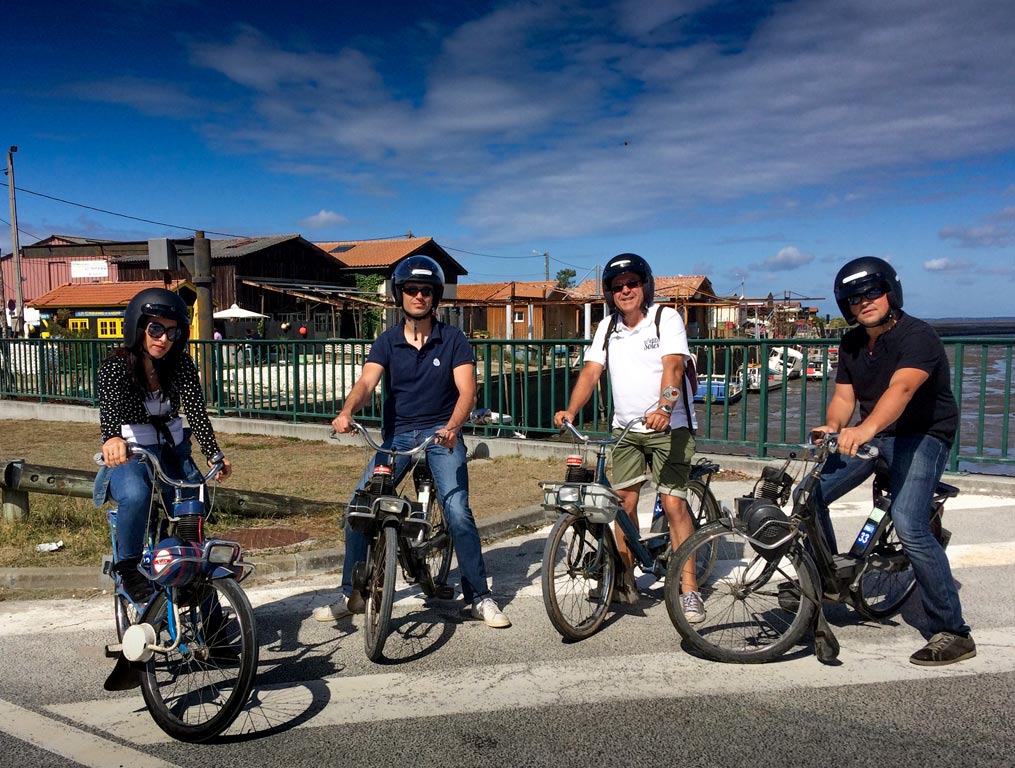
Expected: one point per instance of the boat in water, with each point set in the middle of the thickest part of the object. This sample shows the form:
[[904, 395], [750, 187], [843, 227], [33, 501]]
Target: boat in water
[[754, 377], [786, 359], [712, 390]]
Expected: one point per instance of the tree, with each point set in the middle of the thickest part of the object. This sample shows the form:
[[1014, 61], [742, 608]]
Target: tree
[[565, 278]]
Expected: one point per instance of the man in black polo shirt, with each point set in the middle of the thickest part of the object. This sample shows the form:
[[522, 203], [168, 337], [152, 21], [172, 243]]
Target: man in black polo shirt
[[430, 380], [895, 367]]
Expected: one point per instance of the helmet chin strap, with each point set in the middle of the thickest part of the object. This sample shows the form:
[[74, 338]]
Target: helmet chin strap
[[415, 322]]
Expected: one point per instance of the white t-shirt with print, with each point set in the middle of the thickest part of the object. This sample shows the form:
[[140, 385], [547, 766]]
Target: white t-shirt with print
[[636, 365]]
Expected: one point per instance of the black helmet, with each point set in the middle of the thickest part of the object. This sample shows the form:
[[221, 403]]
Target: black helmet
[[863, 273], [628, 262], [418, 269], [154, 302]]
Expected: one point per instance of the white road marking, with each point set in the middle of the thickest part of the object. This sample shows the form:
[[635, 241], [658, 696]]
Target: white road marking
[[577, 682], [69, 742]]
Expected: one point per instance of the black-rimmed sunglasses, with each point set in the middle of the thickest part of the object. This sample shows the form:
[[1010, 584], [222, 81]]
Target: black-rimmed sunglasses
[[415, 290], [158, 330], [632, 284], [870, 294]]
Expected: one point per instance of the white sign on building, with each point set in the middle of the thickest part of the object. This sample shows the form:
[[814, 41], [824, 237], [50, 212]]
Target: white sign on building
[[92, 268]]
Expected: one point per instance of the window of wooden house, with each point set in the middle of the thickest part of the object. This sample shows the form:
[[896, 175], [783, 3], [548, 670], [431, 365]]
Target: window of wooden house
[[519, 315], [77, 324], [110, 327]]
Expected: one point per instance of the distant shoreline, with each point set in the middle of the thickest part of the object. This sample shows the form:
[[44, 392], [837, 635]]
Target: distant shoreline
[[973, 326]]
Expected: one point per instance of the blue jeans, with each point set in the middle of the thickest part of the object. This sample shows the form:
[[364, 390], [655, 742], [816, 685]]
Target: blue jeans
[[451, 477], [130, 487], [916, 463]]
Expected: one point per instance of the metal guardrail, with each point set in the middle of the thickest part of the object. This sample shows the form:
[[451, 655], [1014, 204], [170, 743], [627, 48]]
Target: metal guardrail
[[525, 381]]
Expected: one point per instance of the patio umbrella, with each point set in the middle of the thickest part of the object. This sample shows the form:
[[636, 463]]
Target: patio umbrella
[[236, 312]]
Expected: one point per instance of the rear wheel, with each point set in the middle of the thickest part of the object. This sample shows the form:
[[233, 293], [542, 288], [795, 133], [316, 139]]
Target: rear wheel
[[195, 691], [578, 576], [380, 592], [887, 580], [704, 509], [753, 609]]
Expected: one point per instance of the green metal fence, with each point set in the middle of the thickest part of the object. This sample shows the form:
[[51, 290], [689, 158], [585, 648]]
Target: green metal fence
[[525, 381]]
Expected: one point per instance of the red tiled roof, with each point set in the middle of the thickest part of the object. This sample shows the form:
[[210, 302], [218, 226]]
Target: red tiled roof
[[538, 289], [95, 294], [374, 253], [672, 287]]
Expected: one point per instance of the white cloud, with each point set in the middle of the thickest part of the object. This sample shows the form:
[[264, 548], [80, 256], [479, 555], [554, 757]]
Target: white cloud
[[997, 232], [945, 265], [323, 219], [788, 258]]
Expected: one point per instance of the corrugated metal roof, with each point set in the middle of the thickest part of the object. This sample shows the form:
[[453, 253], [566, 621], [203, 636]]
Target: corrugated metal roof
[[95, 294], [233, 248]]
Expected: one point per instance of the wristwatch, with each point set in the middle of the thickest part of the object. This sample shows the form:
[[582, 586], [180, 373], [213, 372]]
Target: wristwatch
[[666, 408]]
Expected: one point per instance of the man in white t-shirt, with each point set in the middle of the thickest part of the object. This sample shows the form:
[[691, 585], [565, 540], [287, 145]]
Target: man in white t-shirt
[[645, 348]]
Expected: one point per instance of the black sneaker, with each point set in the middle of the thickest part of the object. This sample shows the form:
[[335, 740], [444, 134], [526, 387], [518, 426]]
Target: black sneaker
[[944, 648], [137, 587]]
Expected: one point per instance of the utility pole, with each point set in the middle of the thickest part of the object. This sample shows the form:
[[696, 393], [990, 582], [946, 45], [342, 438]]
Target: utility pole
[[202, 282], [19, 306], [546, 256]]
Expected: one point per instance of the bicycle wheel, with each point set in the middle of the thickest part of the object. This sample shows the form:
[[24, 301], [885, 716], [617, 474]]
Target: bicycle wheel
[[704, 509], [439, 543], [125, 612], [887, 579], [196, 691], [745, 620], [578, 576], [380, 592]]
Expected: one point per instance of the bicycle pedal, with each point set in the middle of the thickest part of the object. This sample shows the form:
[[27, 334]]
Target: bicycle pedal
[[944, 538], [113, 650], [444, 592]]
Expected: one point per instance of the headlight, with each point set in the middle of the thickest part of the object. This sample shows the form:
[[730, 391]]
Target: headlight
[[568, 494], [391, 506], [223, 554]]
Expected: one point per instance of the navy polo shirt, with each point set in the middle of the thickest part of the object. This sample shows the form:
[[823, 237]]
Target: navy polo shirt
[[420, 383]]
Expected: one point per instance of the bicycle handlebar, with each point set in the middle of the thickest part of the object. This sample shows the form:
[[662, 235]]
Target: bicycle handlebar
[[478, 416], [567, 425], [160, 473], [830, 440]]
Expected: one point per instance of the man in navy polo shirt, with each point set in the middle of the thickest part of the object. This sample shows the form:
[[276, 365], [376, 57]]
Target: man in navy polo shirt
[[430, 380]]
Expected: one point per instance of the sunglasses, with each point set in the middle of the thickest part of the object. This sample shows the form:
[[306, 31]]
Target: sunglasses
[[415, 290], [158, 330], [869, 295], [632, 284]]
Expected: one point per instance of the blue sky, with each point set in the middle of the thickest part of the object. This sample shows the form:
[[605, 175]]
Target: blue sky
[[760, 143]]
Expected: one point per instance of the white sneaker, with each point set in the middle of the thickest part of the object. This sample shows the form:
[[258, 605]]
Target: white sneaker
[[333, 612], [487, 610]]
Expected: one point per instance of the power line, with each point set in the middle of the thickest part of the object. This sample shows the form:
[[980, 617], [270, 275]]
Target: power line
[[123, 215], [490, 255], [21, 229]]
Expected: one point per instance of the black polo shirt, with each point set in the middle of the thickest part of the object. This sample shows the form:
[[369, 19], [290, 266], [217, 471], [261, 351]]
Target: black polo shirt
[[419, 384], [911, 343]]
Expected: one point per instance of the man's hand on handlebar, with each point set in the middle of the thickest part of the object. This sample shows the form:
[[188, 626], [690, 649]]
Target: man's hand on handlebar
[[657, 420], [447, 437], [560, 416], [849, 440], [343, 423]]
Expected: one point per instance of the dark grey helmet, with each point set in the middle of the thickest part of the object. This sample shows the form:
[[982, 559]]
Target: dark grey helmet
[[418, 269], [860, 274], [154, 302]]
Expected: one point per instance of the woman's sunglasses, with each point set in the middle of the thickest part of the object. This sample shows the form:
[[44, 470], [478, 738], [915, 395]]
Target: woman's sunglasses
[[415, 290], [158, 330], [869, 295]]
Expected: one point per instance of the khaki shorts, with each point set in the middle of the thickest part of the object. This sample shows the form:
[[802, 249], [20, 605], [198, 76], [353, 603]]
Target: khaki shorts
[[671, 460]]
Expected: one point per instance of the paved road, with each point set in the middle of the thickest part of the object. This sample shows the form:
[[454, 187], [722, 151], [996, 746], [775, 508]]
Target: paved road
[[455, 692]]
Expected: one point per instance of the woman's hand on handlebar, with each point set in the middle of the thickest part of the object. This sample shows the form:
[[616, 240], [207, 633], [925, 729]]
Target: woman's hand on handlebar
[[225, 472], [343, 423], [115, 452]]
